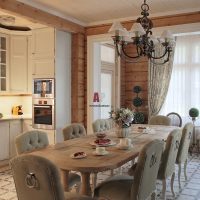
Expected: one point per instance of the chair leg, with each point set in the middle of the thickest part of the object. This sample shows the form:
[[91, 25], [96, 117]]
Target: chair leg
[[94, 180], [78, 187], [185, 168], [172, 184], [164, 189], [179, 175]]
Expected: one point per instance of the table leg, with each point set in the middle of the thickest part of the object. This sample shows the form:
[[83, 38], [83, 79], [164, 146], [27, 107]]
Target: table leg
[[64, 179], [85, 186]]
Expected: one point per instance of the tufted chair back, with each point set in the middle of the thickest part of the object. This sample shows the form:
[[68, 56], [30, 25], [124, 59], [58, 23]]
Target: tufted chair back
[[167, 165], [100, 125], [160, 120], [31, 140], [145, 175], [185, 142], [74, 130], [36, 178]]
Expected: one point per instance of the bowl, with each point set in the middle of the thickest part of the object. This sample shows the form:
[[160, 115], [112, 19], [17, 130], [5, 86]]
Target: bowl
[[101, 134]]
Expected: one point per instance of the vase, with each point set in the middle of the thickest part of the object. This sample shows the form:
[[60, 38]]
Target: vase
[[123, 132]]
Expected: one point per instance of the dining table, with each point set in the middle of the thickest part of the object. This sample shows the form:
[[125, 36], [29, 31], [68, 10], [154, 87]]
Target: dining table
[[61, 154]]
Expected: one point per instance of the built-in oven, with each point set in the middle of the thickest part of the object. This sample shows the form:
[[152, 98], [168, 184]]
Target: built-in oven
[[43, 88], [43, 114]]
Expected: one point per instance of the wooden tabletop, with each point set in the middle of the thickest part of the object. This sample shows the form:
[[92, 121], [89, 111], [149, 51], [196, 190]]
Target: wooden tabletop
[[60, 154]]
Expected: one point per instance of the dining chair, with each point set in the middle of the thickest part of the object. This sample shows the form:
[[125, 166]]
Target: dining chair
[[167, 165], [100, 125], [160, 120], [182, 156], [143, 185], [33, 140], [74, 130], [176, 119], [38, 178]]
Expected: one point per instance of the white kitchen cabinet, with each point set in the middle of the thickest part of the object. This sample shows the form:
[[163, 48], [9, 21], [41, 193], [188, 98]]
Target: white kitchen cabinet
[[4, 141], [4, 72], [15, 129], [18, 63], [43, 51], [27, 125], [43, 68]]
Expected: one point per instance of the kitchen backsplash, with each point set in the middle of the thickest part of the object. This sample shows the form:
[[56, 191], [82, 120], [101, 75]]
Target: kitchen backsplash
[[7, 102]]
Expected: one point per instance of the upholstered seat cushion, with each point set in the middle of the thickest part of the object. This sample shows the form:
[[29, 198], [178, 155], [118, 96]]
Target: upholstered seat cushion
[[117, 187], [73, 179], [31, 140]]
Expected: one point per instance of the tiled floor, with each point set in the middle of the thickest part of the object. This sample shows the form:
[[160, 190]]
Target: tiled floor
[[190, 189]]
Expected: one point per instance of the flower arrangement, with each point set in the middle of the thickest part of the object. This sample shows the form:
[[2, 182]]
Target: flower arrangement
[[123, 117]]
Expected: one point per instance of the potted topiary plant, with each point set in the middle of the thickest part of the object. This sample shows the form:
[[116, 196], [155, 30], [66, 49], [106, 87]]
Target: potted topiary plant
[[194, 113], [137, 102]]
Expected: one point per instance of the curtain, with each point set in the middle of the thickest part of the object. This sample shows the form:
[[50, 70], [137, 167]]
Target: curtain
[[158, 82], [184, 88]]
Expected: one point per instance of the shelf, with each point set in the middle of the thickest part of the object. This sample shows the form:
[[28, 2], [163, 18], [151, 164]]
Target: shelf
[[15, 94]]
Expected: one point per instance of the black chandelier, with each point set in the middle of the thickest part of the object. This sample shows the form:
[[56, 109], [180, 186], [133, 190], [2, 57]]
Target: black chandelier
[[142, 39]]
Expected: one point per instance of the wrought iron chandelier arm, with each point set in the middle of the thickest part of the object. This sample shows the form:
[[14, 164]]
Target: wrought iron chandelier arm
[[139, 51], [117, 48], [142, 41], [167, 50]]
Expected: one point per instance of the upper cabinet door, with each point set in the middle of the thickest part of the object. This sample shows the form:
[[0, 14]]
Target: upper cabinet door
[[3, 63], [18, 63], [43, 43]]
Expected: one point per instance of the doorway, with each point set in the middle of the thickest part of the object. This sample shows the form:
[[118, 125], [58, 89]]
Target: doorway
[[103, 77]]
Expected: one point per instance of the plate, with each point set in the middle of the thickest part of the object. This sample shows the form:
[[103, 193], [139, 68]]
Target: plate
[[82, 155], [124, 147], [111, 143], [100, 154]]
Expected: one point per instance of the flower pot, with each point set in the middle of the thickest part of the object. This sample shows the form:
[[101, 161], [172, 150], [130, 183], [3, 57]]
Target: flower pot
[[123, 132]]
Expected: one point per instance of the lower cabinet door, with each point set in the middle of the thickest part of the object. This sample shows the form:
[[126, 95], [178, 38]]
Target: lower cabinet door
[[15, 129], [4, 141]]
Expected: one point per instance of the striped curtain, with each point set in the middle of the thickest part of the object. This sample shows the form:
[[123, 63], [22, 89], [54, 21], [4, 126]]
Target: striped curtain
[[158, 81]]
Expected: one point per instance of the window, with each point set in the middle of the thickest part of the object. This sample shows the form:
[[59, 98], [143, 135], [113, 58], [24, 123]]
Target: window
[[107, 80], [107, 54], [184, 88]]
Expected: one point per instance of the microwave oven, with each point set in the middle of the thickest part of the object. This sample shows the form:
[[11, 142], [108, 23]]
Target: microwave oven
[[43, 88]]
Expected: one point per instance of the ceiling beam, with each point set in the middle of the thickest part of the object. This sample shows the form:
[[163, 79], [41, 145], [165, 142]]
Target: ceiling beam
[[31, 13], [171, 20]]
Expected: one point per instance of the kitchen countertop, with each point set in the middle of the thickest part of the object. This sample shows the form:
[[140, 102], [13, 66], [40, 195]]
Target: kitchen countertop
[[12, 117]]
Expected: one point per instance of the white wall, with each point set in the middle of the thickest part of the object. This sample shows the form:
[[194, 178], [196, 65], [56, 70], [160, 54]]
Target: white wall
[[7, 102], [63, 82]]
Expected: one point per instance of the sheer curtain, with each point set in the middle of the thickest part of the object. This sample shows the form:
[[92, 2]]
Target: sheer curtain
[[184, 88]]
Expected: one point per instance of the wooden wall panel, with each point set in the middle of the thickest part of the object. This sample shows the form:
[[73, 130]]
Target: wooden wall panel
[[78, 78], [133, 74]]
